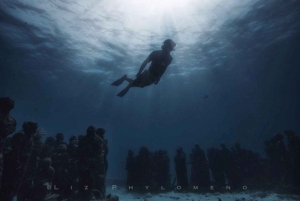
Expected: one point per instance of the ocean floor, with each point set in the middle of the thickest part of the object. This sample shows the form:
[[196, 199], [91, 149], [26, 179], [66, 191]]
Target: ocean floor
[[230, 196]]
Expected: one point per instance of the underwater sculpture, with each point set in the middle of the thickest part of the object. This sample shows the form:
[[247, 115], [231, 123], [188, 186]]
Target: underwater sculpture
[[26, 148], [53, 170], [199, 167], [180, 168], [160, 59], [7, 125], [148, 170], [36, 171]]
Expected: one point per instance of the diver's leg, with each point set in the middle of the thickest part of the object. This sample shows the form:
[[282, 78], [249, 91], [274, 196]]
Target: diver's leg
[[129, 80], [145, 79], [141, 82], [119, 81], [124, 91]]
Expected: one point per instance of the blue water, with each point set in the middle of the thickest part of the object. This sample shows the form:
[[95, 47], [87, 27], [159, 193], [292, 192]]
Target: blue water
[[234, 75]]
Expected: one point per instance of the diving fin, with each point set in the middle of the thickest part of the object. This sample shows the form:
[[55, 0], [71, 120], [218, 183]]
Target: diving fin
[[119, 81], [124, 91]]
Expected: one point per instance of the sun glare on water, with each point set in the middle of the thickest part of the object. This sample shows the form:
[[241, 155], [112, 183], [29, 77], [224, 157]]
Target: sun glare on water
[[180, 18], [159, 6], [156, 17], [90, 24]]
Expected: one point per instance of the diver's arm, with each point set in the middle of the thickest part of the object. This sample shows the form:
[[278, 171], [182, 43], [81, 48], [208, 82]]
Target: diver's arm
[[144, 64]]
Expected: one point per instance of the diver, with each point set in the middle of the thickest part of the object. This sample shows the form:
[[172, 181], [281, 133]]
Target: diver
[[160, 60]]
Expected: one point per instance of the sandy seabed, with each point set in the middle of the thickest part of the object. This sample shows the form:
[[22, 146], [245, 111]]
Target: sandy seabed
[[215, 196]]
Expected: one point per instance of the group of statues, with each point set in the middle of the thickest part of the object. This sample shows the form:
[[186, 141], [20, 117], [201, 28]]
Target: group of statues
[[148, 169], [284, 161], [31, 170], [54, 170], [234, 168]]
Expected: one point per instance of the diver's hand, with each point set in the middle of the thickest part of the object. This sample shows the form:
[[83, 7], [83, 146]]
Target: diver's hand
[[156, 81]]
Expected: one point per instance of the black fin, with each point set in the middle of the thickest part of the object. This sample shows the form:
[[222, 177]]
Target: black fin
[[124, 91], [119, 81]]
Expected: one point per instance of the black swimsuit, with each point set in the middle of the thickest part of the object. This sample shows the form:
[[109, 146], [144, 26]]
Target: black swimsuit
[[159, 60], [159, 63]]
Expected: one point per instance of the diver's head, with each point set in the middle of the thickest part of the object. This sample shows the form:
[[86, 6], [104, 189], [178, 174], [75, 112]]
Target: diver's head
[[168, 45]]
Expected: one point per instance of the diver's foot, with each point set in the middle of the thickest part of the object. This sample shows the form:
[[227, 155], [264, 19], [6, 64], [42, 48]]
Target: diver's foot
[[124, 91], [119, 81]]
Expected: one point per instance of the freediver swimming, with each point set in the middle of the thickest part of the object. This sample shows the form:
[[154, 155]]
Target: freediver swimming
[[160, 60]]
